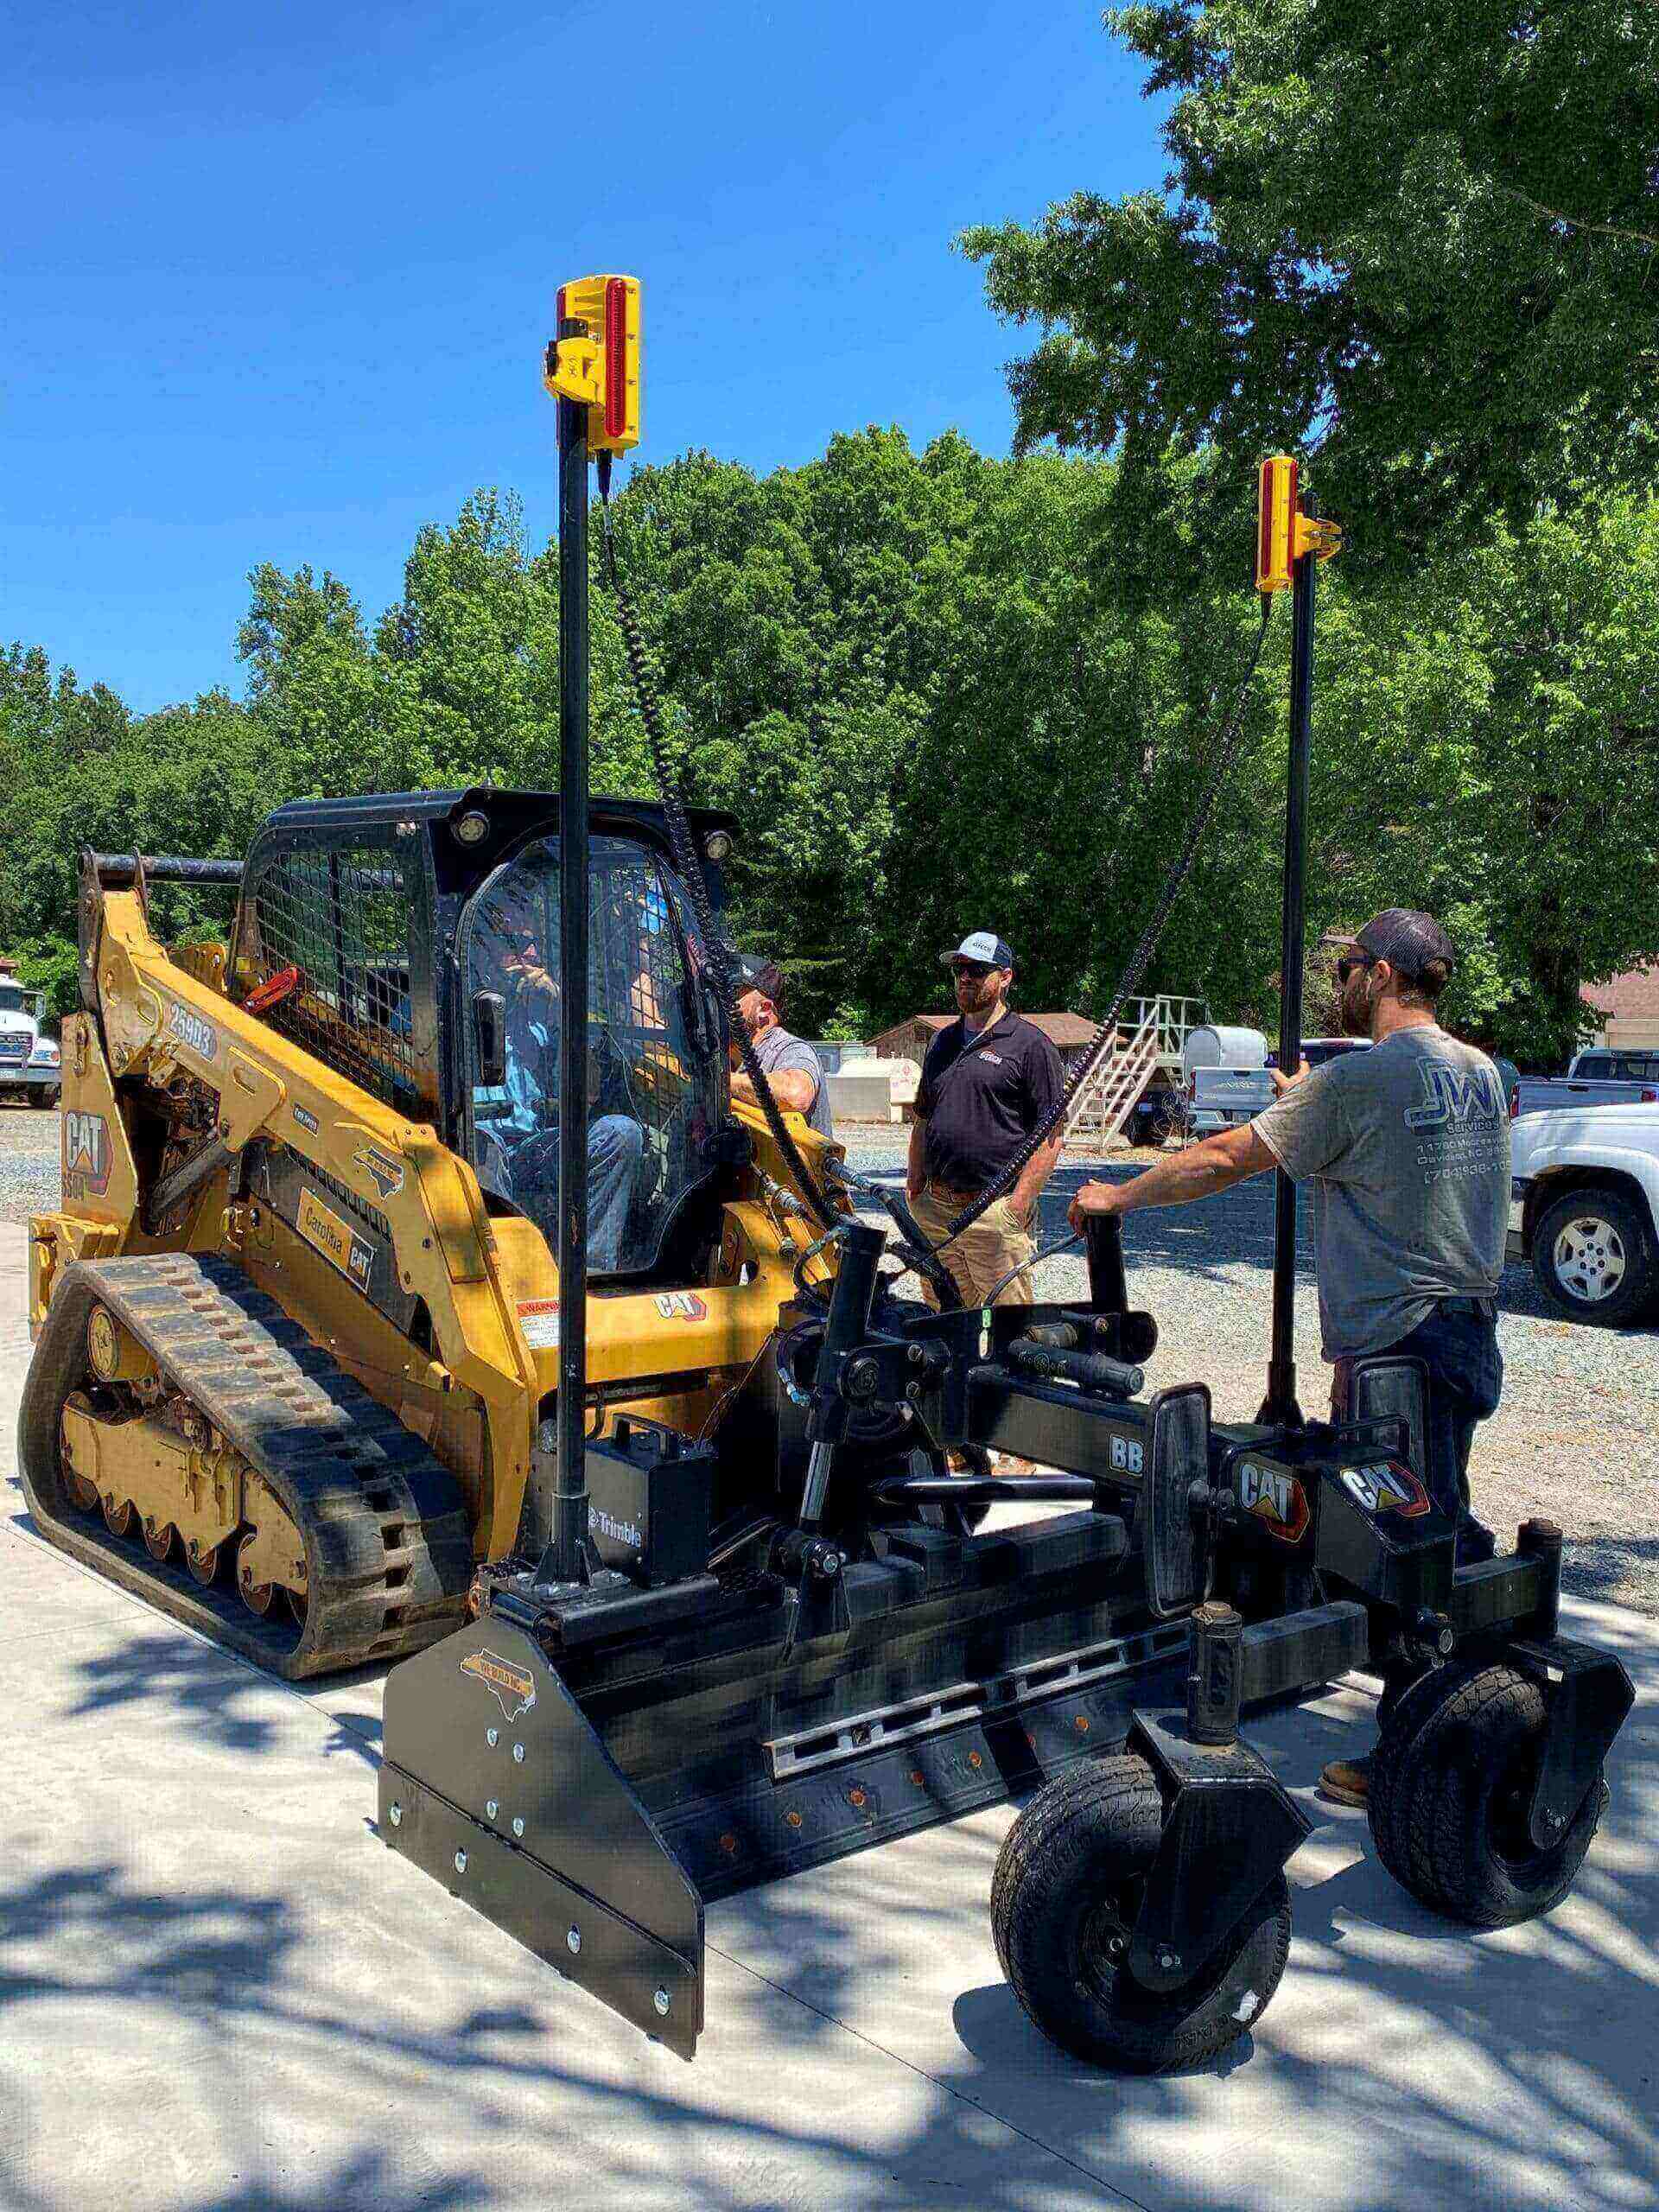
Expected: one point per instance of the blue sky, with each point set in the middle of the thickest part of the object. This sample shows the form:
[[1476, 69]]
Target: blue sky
[[277, 279]]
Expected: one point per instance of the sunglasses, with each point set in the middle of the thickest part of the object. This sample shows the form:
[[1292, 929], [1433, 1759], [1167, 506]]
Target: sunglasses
[[977, 970], [1351, 962]]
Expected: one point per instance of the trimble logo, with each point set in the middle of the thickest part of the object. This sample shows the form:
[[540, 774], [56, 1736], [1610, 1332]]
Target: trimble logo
[[619, 1532], [514, 1690]]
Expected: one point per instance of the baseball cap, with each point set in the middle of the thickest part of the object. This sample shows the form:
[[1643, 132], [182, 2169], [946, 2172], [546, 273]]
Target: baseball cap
[[757, 971], [1408, 941], [983, 945]]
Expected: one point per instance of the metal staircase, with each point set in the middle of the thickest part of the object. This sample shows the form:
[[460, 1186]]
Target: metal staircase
[[1150, 1035]]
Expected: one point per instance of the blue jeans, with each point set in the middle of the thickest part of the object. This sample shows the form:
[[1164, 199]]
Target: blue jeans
[[1458, 1344], [616, 1144]]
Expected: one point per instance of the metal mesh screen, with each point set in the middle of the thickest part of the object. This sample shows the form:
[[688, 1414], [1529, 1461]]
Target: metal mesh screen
[[342, 918]]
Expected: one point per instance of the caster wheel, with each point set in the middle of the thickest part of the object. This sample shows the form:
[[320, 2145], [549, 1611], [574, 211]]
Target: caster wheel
[[1067, 1893], [1452, 1786]]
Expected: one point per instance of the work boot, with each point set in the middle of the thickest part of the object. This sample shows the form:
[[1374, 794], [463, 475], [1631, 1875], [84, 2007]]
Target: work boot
[[1348, 1782], [1475, 1540], [1010, 1463]]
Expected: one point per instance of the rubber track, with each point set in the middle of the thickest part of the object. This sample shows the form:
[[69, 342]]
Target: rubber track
[[388, 1545]]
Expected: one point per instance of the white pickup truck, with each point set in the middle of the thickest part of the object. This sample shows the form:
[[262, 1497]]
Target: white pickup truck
[[1585, 1208], [1601, 1075], [29, 1062]]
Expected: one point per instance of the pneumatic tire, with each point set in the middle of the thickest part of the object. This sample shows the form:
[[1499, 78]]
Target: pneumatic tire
[[1396, 1771], [1066, 1892], [1593, 1256], [1451, 1795]]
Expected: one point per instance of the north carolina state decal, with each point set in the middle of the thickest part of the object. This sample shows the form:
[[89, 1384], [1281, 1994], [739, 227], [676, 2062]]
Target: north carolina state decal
[[513, 1689]]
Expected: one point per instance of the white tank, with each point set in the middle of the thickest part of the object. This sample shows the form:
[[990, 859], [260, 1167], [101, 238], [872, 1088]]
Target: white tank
[[1214, 1046]]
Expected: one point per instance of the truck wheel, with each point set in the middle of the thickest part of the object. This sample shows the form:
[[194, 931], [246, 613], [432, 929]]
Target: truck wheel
[[1456, 1777], [41, 1097], [1592, 1254], [1063, 1901]]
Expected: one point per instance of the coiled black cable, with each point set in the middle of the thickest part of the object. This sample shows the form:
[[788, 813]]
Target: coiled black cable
[[688, 861], [1105, 1036]]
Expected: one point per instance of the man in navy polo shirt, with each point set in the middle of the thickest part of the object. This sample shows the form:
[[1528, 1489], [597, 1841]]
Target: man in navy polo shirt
[[990, 1081]]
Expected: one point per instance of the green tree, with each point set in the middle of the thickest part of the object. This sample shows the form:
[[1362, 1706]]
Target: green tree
[[1422, 244]]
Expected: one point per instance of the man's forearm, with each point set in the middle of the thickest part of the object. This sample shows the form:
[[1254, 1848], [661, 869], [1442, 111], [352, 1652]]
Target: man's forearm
[[914, 1163], [1195, 1173], [1032, 1176], [793, 1090]]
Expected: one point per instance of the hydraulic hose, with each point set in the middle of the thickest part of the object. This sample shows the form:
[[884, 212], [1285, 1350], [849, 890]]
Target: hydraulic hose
[[1105, 1037], [689, 860]]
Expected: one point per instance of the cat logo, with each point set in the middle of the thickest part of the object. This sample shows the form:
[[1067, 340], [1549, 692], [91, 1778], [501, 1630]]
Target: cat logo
[[386, 1175], [334, 1238], [680, 1305], [1386, 1486], [1275, 1497], [86, 1155], [513, 1689]]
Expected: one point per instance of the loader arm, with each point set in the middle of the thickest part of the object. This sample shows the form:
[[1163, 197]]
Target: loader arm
[[157, 1021]]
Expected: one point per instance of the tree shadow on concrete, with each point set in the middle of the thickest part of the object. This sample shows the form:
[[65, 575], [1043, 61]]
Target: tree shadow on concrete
[[1404, 2063], [1435, 2065], [169, 1672], [1610, 1567]]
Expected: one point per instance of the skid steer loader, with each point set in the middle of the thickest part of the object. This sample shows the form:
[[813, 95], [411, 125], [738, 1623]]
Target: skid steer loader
[[298, 1323], [419, 1293]]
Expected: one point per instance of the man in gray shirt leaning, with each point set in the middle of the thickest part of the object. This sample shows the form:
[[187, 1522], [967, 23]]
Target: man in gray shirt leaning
[[789, 1062], [1407, 1149]]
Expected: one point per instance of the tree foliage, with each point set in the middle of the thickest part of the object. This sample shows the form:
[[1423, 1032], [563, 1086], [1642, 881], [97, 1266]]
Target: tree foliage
[[932, 706], [1421, 245]]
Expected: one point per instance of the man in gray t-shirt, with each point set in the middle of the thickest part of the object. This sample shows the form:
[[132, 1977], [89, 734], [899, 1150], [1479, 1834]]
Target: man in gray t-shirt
[[789, 1062], [1407, 1148]]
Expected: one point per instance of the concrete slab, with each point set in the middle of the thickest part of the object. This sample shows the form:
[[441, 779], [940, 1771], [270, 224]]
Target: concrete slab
[[218, 1993]]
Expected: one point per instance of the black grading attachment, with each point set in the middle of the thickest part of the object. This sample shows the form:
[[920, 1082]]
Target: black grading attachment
[[588, 1765]]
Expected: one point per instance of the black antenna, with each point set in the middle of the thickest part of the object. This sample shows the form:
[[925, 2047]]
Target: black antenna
[[567, 1558], [1280, 1405]]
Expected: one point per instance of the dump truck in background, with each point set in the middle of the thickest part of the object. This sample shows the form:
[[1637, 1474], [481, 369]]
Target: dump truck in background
[[30, 1068]]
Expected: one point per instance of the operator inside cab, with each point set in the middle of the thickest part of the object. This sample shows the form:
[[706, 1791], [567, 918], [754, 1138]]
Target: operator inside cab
[[652, 1083]]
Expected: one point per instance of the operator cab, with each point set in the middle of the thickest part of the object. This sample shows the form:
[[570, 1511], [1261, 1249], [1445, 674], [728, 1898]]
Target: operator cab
[[412, 942], [656, 1048]]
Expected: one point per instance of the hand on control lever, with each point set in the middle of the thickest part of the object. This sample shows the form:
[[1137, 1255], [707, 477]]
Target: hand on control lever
[[1096, 1198]]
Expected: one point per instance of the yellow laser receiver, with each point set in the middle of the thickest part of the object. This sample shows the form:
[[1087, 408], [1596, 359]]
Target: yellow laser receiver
[[1283, 533], [599, 369]]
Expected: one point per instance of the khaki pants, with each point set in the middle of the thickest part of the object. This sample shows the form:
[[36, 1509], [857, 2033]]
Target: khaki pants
[[982, 1255]]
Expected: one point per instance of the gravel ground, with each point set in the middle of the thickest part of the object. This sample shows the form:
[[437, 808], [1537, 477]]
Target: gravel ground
[[1577, 1435], [28, 1162]]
